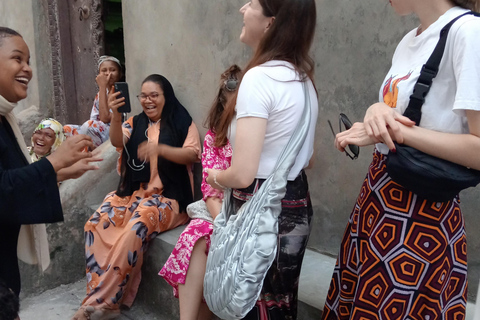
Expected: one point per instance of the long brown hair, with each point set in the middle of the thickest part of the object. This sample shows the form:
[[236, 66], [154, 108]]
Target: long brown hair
[[213, 120], [289, 39], [473, 5]]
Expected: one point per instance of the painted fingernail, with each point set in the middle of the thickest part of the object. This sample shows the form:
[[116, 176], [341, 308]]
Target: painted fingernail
[[394, 150]]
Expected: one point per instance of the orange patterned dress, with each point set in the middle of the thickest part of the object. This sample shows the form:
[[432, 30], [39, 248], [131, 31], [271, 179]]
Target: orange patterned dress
[[117, 234]]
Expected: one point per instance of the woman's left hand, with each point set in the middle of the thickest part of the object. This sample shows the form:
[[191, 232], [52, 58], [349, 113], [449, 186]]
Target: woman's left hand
[[383, 123], [211, 173], [77, 169], [147, 150], [356, 135]]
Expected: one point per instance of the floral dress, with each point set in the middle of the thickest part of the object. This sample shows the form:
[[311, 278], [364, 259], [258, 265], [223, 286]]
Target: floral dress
[[175, 269], [96, 129]]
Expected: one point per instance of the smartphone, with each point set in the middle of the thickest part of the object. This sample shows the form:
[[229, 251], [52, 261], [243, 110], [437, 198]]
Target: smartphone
[[123, 88]]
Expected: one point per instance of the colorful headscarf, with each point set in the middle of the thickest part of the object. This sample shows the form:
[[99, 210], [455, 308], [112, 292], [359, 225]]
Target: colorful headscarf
[[102, 59], [59, 136]]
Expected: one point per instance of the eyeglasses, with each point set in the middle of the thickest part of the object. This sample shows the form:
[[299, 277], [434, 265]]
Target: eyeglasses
[[230, 84], [347, 124], [153, 96]]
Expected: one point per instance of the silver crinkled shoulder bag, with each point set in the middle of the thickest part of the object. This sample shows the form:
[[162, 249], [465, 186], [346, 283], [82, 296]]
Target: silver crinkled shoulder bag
[[244, 244]]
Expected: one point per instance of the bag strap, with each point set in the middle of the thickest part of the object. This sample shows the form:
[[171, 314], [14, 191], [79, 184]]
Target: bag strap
[[428, 73], [287, 157]]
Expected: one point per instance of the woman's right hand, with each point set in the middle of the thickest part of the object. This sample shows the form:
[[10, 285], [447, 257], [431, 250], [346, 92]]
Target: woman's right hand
[[102, 80], [381, 123], [71, 151], [114, 103], [356, 135]]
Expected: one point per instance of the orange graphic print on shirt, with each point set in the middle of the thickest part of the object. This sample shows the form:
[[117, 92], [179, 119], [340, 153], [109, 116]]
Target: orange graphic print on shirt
[[390, 90]]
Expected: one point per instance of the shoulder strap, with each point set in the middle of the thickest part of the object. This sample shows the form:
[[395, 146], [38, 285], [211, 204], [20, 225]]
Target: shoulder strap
[[428, 73]]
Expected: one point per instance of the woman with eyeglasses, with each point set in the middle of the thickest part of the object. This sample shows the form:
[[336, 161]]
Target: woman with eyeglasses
[[158, 148], [185, 268], [269, 105], [404, 256]]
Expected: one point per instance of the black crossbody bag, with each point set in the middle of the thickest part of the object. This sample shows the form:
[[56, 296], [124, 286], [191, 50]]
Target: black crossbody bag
[[428, 176]]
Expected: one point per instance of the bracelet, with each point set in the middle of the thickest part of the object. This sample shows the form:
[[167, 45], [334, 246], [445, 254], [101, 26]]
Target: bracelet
[[215, 180]]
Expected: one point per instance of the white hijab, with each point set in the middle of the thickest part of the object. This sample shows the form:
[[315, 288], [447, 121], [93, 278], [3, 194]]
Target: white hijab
[[32, 240]]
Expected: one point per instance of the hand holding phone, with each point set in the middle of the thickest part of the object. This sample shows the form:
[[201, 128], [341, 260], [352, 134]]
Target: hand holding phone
[[122, 87]]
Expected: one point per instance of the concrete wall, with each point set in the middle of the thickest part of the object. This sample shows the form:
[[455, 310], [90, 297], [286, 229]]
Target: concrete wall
[[18, 15], [192, 42]]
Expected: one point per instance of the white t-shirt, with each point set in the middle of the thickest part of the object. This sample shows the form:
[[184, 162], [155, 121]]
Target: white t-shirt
[[273, 91], [456, 87]]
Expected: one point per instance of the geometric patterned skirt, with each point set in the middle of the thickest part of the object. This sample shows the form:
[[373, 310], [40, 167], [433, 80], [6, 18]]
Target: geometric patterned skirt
[[278, 299], [401, 257]]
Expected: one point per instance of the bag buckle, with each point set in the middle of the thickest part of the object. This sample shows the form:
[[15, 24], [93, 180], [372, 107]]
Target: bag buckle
[[420, 91]]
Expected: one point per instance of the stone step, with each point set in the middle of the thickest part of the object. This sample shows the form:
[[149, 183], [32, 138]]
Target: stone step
[[155, 293], [155, 300], [62, 302]]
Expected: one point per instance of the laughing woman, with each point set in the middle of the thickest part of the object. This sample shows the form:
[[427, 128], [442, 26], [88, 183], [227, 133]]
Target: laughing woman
[[269, 106], [20, 180], [46, 138], [159, 147], [404, 256]]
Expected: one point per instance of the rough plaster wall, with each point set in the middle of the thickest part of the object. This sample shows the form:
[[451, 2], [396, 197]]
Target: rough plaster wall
[[18, 15], [191, 42], [187, 42]]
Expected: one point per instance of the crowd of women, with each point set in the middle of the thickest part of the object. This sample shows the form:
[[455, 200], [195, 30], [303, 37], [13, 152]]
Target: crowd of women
[[252, 118]]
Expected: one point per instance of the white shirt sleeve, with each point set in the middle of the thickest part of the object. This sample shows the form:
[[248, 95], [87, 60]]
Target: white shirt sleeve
[[466, 65], [255, 98]]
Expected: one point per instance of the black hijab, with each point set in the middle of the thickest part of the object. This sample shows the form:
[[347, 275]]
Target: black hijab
[[174, 124]]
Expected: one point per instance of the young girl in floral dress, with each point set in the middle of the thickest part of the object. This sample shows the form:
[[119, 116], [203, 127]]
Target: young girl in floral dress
[[185, 268]]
